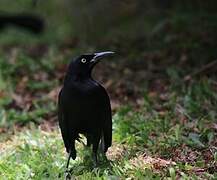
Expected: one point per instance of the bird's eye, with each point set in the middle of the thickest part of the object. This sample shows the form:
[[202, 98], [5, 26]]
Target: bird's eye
[[83, 60]]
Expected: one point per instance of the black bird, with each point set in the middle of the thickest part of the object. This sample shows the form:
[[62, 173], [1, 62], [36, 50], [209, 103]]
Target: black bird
[[84, 107], [30, 22]]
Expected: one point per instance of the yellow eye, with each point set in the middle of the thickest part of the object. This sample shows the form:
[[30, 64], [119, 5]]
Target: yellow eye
[[83, 60]]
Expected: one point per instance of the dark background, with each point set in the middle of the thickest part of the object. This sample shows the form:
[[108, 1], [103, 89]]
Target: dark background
[[162, 83]]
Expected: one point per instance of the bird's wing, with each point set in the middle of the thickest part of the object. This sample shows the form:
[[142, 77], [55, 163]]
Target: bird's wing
[[63, 123]]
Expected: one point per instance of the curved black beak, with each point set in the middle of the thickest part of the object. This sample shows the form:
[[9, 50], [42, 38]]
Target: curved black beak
[[100, 55]]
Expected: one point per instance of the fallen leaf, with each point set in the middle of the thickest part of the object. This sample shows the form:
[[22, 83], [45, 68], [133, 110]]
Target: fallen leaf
[[143, 160]]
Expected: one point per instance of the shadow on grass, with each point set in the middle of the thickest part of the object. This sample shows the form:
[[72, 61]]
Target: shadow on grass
[[86, 165]]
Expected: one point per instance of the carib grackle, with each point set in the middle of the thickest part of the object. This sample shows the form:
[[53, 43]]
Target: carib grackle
[[84, 107]]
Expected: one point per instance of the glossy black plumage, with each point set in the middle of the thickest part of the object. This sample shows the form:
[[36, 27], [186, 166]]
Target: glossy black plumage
[[84, 107]]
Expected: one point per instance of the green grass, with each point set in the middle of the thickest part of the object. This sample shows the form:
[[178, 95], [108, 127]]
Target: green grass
[[176, 142], [170, 134]]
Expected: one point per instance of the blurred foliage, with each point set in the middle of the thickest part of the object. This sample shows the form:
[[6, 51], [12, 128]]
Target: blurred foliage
[[164, 126], [178, 28], [57, 21], [147, 25]]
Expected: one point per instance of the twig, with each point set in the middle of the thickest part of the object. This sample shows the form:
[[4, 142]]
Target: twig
[[201, 70]]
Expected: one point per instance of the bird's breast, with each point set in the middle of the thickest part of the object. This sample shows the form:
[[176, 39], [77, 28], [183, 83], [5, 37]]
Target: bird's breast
[[84, 104]]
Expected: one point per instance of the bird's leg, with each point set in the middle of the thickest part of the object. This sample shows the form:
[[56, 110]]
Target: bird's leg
[[88, 140], [95, 159], [95, 148], [102, 148], [102, 144], [72, 154], [68, 175], [67, 165], [80, 141]]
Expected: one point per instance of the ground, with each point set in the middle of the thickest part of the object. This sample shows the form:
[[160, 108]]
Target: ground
[[164, 113]]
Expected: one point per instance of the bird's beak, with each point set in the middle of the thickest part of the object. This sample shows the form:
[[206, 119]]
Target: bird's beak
[[98, 56]]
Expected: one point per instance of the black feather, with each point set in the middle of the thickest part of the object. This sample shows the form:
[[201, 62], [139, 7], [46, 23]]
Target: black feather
[[84, 107]]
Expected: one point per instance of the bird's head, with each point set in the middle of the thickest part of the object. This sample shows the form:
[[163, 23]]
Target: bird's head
[[83, 65]]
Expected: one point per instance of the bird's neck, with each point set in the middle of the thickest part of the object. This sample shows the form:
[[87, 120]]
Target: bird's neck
[[82, 78], [78, 78]]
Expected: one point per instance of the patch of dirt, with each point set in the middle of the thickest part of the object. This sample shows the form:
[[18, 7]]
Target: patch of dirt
[[116, 152], [184, 154], [143, 161]]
